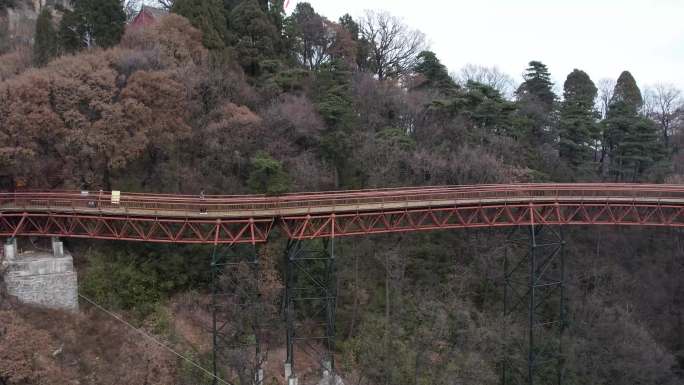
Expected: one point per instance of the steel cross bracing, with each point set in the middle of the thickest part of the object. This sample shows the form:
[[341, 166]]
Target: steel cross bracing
[[310, 303], [534, 276], [237, 312]]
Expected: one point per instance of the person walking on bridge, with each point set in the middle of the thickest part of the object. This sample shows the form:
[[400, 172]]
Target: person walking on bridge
[[203, 209]]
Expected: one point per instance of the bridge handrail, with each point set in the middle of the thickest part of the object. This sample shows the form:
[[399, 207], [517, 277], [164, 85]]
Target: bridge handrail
[[184, 204]]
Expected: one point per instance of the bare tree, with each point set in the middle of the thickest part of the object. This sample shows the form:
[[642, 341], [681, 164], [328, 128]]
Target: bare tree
[[166, 4], [131, 8], [490, 76], [661, 103], [394, 47], [605, 93]]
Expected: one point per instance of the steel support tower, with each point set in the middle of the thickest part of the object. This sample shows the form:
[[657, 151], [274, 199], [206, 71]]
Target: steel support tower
[[534, 266], [236, 311], [310, 303]]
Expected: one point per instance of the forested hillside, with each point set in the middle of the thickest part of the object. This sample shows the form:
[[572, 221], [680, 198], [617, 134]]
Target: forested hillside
[[237, 97]]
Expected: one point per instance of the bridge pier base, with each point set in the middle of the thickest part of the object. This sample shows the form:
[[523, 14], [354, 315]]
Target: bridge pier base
[[534, 275], [310, 304], [236, 313], [10, 249], [57, 247], [41, 278]]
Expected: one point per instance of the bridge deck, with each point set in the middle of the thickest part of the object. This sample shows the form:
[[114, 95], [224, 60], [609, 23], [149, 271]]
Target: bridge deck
[[249, 218], [259, 206], [213, 211]]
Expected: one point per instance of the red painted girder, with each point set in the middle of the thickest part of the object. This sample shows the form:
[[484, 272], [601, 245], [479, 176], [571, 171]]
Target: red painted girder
[[148, 229], [608, 213], [249, 219]]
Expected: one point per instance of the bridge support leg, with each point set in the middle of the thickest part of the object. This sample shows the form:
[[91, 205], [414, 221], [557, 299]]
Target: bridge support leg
[[310, 303], [57, 247], [236, 308], [534, 274], [10, 249]]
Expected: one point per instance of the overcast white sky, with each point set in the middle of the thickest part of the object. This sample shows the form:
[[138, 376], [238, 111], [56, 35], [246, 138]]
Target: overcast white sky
[[601, 37]]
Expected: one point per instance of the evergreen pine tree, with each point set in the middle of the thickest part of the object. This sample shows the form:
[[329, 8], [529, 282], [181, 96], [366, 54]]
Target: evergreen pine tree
[[488, 109], [209, 17], [46, 45], [632, 141], [68, 35], [276, 12], [362, 45], [92, 23], [268, 176], [256, 37], [350, 25], [307, 35], [334, 101], [578, 127], [435, 73], [105, 19], [534, 121], [627, 93], [537, 86]]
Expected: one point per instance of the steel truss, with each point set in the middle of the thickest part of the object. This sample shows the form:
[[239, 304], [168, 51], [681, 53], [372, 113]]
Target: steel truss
[[493, 215], [534, 266], [310, 303], [237, 312], [333, 224], [148, 229]]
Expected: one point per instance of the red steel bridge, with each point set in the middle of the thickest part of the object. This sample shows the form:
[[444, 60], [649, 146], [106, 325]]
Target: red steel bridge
[[532, 281], [250, 218]]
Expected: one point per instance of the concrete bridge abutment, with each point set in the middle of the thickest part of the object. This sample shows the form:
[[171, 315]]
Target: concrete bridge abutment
[[42, 278]]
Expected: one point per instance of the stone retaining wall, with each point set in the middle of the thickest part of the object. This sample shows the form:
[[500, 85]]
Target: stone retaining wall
[[41, 278]]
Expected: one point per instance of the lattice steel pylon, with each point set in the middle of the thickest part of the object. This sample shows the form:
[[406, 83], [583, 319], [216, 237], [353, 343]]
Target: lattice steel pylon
[[236, 310], [310, 303], [534, 294]]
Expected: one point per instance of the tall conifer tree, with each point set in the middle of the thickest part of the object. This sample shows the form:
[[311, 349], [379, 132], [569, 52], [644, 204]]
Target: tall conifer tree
[[537, 85], [256, 37], [578, 126], [92, 23], [435, 73], [209, 17], [632, 140], [536, 102], [46, 45]]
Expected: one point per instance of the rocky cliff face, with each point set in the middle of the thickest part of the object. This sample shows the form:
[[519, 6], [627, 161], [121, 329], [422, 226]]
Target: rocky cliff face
[[18, 23]]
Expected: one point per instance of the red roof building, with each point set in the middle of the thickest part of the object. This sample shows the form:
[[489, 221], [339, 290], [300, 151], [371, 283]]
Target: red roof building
[[147, 17]]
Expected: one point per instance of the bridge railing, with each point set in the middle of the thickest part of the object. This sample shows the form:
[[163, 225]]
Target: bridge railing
[[179, 205]]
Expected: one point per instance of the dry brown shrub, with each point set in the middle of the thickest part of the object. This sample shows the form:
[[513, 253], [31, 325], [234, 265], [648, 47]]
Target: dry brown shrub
[[39, 346], [173, 37], [14, 63], [233, 128], [27, 355], [79, 122]]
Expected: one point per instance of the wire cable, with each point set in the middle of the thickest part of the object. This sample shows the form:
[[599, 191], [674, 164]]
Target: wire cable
[[151, 338]]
